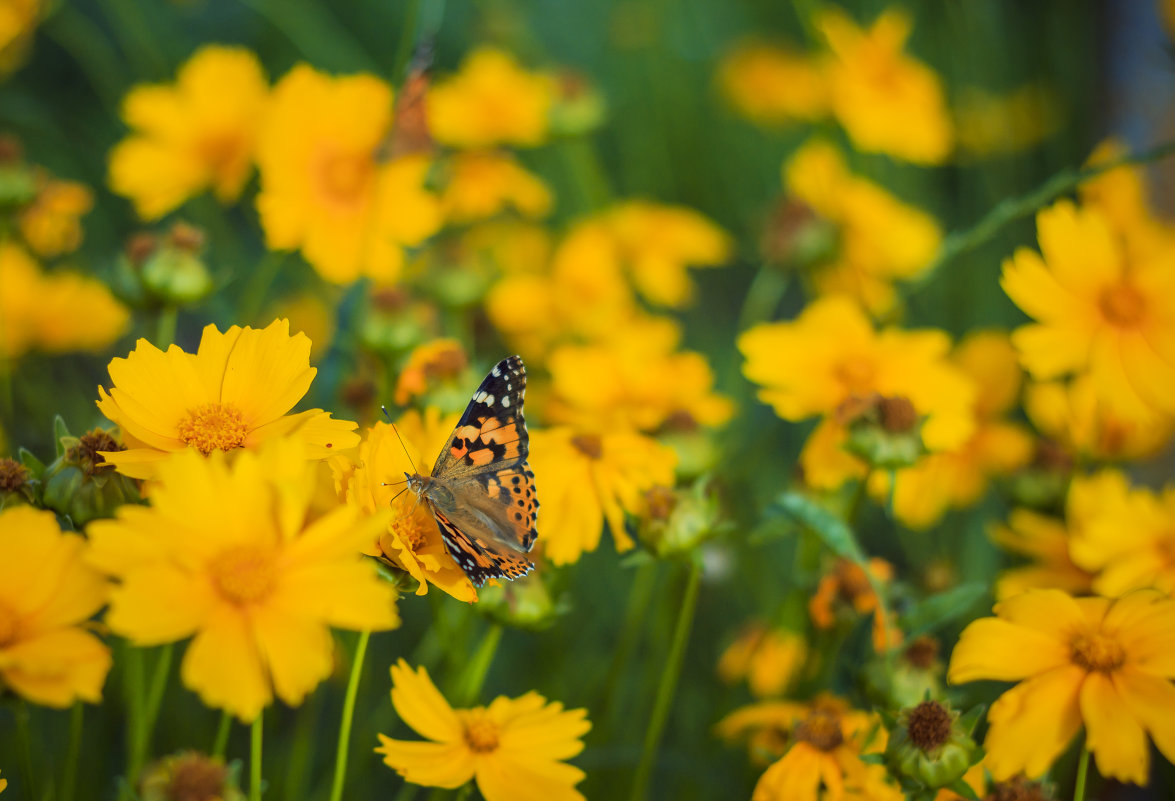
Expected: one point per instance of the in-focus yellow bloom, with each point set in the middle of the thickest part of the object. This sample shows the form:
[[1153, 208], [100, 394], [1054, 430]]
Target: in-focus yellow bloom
[[323, 191], [410, 540], [831, 354], [989, 124], [769, 659], [823, 743], [198, 134], [226, 554], [483, 184], [515, 748], [1096, 310], [51, 224], [47, 593], [492, 101], [772, 85], [587, 479], [1045, 540], [886, 101], [234, 392], [1103, 664], [881, 238]]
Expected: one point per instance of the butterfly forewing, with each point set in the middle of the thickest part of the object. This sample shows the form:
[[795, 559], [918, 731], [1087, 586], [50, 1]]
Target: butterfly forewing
[[492, 431]]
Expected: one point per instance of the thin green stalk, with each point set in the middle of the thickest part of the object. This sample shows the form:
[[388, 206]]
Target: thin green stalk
[[220, 744], [640, 594], [165, 326], [133, 689], [70, 774], [668, 687], [1082, 774], [471, 681], [148, 707], [24, 737], [336, 790], [255, 759], [253, 297]]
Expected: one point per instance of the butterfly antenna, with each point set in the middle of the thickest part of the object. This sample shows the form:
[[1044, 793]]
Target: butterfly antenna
[[397, 495], [384, 409]]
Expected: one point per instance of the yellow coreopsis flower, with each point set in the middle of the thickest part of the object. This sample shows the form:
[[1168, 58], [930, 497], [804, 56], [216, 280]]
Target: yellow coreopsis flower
[[51, 225], [439, 360], [226, 554], [234, 392], [1045, 540], [411, 540], [324, 191], [1121, 196], [768, 658], [515, 748], [1096, 311], [491, 101], [772, 85], [198, 134], [1100, 663], [831, 354], [483, 184], [47, 593], [587, 479], [882, 239], [886, 101]]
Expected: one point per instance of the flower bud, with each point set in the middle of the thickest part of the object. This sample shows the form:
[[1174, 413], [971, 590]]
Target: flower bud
[[931, 746], [15, 484], [524, 604], [174, 271], [1044, 483], [80, 484], [676, 522], [885, 432], [579, 107], [903, 682], [190, 776], [393, 322], [795, 237], [18, 181]]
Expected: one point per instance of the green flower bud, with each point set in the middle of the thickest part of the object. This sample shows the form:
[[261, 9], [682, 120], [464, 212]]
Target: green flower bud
[[174, 272], [15, 484], [190, 775], [795, 237], [18, 181], [525, 603], [885, 432], [578, 108], [931, 746], [914, 675], [80, 485], [1044, 483], [393, 323], [676, 522]]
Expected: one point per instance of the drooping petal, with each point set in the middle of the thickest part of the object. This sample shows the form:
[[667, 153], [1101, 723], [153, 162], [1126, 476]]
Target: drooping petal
[[57, 667], [1032, 723], [297, 653], [430, 764], [223, 665], [1117, 740], [1151, 700], [420, 704]]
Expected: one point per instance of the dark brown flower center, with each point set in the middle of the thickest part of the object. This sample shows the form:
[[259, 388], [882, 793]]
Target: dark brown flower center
[[821, 729], [197, 778], [1097, 652], [13, 475], [922, 652], [929, 725]]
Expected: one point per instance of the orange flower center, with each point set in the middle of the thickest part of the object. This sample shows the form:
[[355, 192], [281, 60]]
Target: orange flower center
[[1097, 652], [1122, 306], [590, 445], [344, 178], [220, 151], [9, 625], [213, 427], [244, 575], [856, 375], [821, 729], [409, 529], [481, 733]]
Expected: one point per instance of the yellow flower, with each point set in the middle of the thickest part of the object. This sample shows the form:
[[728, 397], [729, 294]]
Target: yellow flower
[[1045, 540], [491, 101], [189, 776], [435, 361], [846, 585], [887, 101], [772, 85], [481, 185], [50, 225], [411, 540], [234, 392], [769, 659], [198, 134], [882, 239], [1096, 310], [18, 21], [225, 554], [3, 784], [47, 593], [589, 478], [831, 354], [1120, 195], [1105, 664], [824, 741], [988, 124], [515, 748], [322, 189]]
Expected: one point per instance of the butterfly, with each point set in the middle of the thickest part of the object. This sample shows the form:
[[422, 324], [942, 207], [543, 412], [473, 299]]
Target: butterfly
[[481, 490]]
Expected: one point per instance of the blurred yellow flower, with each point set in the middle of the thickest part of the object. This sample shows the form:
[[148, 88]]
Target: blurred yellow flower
[[846, 587], [312, 311], [1120, 195], [492, 101], [226, 554], [47, 595], [323, 190], [481, 185], [198, 134], [234, 392], [3, 784], [1096, 310], [773, 85], [51, 224], [881, 239], [590, 478], [1044, 540], [515, 748], [1105, 664], [988, 123], [18, 21], [410, 540], [886, 101], [769, 658], [436, 361]]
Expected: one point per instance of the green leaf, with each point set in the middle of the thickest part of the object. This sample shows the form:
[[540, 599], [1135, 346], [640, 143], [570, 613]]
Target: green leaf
[[962, 789], [938, 610], [60, 431], [833, 531], [34, 465]]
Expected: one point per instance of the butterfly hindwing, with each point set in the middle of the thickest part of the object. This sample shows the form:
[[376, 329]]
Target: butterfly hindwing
[[514, 488], [480, 561]]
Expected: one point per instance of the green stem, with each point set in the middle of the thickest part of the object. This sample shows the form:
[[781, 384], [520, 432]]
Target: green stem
[[640, 595], [70, 774], [220, 744], [471, 681], [133, 689], [253, 298], [24, 737], [336, 790], [668, 687], [165, 326], [255, 759], [1082, 774], [1068, 179], [149, 710]]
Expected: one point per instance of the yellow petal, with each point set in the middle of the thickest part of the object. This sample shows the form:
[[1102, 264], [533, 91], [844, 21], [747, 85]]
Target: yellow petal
[[796, 775], [56, 668], [504, 777], [224, 667], [1151, 700], [991, 648], [446, 765], [421, 705], [1116, 738], [1032, 723], [298, 653], [160, 604]]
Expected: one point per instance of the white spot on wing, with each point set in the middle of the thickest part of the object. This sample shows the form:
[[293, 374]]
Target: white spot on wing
[[506, 401]]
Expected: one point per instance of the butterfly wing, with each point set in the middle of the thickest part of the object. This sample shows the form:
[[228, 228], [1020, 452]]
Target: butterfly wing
[[491, 434]]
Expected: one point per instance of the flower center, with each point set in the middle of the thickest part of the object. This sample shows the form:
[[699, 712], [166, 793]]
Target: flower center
[[197, 778], [821, 729], [244, 575], [481, 733], [929, 725], [220, 151], [1097, 652], [13, 475], [590, 445], [213, 427], [1122, 306], [409, 529], [9, 625], [344, 177]]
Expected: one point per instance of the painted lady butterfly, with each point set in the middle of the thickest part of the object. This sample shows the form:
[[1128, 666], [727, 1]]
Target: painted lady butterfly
[[481, 490]]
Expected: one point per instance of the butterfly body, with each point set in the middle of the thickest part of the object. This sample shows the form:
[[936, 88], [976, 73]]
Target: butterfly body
[[481, 490]]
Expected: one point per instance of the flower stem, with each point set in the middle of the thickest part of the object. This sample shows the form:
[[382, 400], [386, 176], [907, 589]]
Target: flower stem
[[336, 789], [165, 326], [70, 774], [640, 594], [148, 709], [255, 759], [260, 281], [220, 744], [24, 737], [133, 689], [1082, 773], [471, 681], [668, 686]]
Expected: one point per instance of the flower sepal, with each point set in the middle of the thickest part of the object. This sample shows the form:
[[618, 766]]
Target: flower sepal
[[930, 745], [80, 484]]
